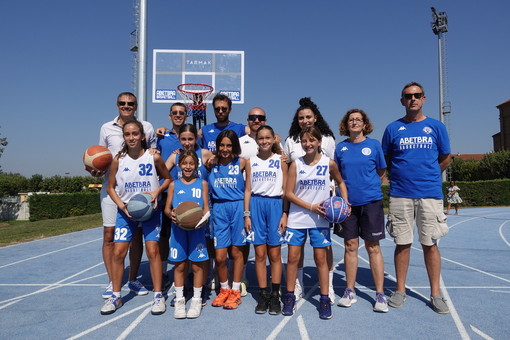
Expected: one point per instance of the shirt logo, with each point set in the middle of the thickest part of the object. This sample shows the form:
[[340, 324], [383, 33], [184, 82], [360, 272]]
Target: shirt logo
[[255, 164], [302, 172], [402, 128], [366, 151], [427, 130], [181, 192], [212, 130], [126, 170], [246, 142], [344, 149]]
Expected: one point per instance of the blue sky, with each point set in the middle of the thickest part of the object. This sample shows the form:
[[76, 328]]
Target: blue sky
[[63, 63]]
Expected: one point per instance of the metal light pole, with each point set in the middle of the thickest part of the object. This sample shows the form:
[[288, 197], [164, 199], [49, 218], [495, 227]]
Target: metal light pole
[[439, 27]]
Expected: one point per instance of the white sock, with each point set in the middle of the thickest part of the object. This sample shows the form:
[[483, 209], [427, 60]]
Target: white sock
[[117, 294], [224, 285], [179, 292], [156, 293], [197, 292], [236, 285]]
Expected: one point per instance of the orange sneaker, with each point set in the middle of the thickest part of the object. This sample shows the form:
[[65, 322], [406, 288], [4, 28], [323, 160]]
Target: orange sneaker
[[221, 298], [234, 300]]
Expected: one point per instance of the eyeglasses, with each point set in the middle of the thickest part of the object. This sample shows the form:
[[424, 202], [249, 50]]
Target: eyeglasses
[[221, 109], [180, 113], [128, 103], [253, 118], [417, 95], [357, 120]]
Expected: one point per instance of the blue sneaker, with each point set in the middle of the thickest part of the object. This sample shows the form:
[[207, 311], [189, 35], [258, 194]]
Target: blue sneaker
[[137, 288], [108, 291], [289, 304], [111, 305], [325, 308]]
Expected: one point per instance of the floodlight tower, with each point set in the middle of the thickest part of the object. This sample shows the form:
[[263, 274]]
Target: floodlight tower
[[440, 27]]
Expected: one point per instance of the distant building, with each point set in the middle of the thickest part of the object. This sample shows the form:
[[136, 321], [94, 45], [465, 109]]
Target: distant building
[[501, 140], [469, 156]]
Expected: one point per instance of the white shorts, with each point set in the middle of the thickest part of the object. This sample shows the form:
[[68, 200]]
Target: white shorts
[[430, 220], [108, 209]]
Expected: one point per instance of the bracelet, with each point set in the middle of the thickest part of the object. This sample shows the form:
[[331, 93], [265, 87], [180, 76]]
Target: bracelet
[[247, 213]]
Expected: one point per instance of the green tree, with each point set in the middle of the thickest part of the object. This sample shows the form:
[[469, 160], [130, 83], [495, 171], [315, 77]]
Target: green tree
[[3, 142]]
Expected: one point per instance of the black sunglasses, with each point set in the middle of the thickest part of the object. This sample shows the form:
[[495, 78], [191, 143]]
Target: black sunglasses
[[180, 113], [221, 109], [128, 103], [417, 95], [253, 118]]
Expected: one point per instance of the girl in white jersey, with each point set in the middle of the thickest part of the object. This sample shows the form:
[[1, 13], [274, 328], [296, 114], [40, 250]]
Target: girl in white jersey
[[134, 170], [265, 218], [308, 185]]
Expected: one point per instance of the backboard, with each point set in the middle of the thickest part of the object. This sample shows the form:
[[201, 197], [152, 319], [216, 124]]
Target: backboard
[[223, 70]]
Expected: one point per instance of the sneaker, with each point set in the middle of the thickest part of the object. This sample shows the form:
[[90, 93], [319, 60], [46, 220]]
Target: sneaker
[[289, 304], [158, 305], [195, 308], [244, 285], [397, 299], [263, 303], [331, 294], [137, 288], [108, 291], [111, 305], [325, 308], [180, 308], [234, 300], [221, 297], [298, 290], [348, 298], [275, 307], [381, 305], [438, 304], [205, 296]]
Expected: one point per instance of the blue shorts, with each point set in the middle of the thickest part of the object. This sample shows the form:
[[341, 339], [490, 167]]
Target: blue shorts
[[266, 213], [187, 245], [366, 221], [228, 224], [125, 227], [319, 237]]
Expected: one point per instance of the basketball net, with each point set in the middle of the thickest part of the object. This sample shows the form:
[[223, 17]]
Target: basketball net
[[194, 96]]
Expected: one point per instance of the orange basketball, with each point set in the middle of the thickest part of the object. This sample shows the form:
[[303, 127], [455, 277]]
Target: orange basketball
[[97, 157], [188, 214]]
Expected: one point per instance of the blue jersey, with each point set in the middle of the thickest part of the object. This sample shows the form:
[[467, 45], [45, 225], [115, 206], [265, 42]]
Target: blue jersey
[[210, 133], [358, 163], [226, 182], [414, 148], [187, 192], [201, 173], [168, 144]]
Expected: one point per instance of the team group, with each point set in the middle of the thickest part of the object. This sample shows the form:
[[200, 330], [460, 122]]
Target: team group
[[261, 193]]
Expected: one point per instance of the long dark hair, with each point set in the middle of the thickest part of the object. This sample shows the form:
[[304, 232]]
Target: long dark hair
[[189, 128], [321, 124], [276, 146], [124, 149], [236, 147]]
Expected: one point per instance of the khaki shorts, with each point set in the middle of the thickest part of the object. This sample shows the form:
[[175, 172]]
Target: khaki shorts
[[430, 220], [108, 209]]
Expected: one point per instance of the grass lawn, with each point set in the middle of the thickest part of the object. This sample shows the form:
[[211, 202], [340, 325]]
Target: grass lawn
[[12, 232]]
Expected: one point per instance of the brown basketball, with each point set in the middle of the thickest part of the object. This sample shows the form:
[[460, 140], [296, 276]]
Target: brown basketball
[[97, 157], [188, 214]]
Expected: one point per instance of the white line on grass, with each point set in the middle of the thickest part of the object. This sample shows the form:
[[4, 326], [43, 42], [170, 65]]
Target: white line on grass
[[302, 328]]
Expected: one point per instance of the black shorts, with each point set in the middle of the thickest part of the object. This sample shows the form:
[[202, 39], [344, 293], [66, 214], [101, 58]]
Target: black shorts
[[366, 221], [165, 220]]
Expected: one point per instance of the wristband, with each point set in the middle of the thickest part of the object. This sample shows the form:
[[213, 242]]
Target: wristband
[[247, 213]]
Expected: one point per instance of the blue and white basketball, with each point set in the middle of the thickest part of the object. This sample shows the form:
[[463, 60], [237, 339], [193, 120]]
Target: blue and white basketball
[[337, 209], [140, 207]]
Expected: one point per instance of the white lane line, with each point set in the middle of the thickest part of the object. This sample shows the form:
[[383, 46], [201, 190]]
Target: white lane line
[[133, 324], [49, 253], [106, 323], [302, 328], [53, 285], [10, 303], [480, 333], [453, 311], [501, 233], [500, 291]]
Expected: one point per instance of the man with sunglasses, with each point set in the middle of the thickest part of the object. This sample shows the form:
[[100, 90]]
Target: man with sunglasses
[[111, 137], [256, 119], [417, 151]]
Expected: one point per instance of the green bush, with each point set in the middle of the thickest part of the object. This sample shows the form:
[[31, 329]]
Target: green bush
[[49, 206], [483, 193]]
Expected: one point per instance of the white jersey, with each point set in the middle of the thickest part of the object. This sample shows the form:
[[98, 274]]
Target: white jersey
[[249, 147], [312, 186], [266, 176], [294, 150], [135, 176]]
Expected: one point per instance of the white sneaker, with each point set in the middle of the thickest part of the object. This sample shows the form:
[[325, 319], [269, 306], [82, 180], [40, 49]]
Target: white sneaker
[[180, 308], [158, 305], [195, 308], [111, 305], [244, 284], [381, 305], [332, 295], [108, 291], [298, 290], [348, 298]]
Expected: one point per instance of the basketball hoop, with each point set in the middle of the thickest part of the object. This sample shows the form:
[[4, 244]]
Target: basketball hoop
[[195, 95]]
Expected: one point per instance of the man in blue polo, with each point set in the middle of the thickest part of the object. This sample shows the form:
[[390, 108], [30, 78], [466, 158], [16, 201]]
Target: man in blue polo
[[417, 150]]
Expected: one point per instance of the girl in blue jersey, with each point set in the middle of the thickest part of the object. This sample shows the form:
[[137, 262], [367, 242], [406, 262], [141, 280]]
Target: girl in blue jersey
[[361, 162], [135, 170], [226, 184], [308, 185], [265, 218], [188, 245]]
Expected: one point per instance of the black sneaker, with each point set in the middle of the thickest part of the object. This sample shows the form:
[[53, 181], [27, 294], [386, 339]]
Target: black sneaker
[[263, 303], [275, 307]]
